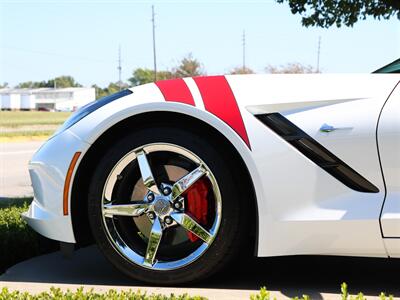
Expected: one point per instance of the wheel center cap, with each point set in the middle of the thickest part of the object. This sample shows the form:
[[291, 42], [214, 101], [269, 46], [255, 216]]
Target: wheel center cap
[[162, 207]]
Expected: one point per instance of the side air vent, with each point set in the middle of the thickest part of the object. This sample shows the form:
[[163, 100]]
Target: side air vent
[[317, 153]]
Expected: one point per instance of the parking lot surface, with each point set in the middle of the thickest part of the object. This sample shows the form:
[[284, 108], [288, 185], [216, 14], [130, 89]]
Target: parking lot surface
[[317, 276]]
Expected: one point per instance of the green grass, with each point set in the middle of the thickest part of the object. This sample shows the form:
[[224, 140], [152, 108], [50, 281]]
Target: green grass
[[14, 119], [29, 125], [17, 240], [26, 133]]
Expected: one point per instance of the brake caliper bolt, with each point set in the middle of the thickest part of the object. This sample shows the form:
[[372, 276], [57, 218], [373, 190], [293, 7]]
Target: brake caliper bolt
[[150, 197], [151, 215], [168, 220], [166, 191], [177, 205]]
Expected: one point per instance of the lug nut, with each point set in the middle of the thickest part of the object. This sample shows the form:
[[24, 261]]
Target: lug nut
[[166, 191], [168, 220], [177, 205], [150, 197], [151, 215]]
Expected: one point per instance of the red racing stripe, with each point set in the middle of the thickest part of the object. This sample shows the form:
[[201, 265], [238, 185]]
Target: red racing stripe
[[219, 100], [175, 90]]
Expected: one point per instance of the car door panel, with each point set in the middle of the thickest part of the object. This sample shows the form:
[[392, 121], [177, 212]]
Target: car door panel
[[389, 149]]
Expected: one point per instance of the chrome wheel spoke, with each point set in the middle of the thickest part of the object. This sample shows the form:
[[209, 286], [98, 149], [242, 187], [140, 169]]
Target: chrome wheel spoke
[[191, 225], [157, 181], [187, 181], [154, 242], [145, 171], [130, 210]]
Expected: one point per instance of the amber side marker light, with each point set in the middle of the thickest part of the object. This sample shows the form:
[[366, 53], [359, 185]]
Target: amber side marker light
[[68, 181]]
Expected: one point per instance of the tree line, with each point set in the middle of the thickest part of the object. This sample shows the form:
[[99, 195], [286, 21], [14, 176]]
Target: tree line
[[188, 66]]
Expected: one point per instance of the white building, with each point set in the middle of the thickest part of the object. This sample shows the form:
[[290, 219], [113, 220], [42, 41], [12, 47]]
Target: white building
[[10, 100], [64, 99]]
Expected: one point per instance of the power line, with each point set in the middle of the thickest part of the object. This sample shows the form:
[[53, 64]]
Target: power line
[[318, 53], [154, 42]]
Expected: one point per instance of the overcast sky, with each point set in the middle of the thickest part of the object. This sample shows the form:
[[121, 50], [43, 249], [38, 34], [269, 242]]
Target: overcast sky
[[43, 39]]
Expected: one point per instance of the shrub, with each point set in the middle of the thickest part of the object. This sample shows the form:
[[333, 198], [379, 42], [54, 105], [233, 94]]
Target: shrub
[[17, 240], [265, 295], [80, 294]]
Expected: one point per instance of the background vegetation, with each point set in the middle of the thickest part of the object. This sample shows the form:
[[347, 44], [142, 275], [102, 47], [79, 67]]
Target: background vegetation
[[81, 294], [32, 125], [27, 118], [342, 12], [188, 66], [17, 240]]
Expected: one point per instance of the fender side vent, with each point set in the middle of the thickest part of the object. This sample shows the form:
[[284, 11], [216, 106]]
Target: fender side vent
[[316, 152]]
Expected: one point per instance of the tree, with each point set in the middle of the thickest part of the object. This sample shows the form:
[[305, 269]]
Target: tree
[[188, 67], [112, 88], [31, 84], [142, 76], [59, 82], [4, 85], [291, 68], [63, 82], [241, 70], [325, 13]]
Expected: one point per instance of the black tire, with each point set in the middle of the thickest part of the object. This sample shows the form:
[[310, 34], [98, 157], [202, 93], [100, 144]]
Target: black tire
[[233, 231]]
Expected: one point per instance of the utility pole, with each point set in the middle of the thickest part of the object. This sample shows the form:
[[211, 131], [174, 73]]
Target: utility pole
[[119, 68], [244, 49], [154, 42], [318, 53]]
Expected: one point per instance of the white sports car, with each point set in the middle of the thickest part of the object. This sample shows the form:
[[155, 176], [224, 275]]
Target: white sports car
[[174, 179]]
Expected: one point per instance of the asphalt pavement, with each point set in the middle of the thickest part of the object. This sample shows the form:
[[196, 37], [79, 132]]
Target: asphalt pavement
[[317, 276], [14, 174]]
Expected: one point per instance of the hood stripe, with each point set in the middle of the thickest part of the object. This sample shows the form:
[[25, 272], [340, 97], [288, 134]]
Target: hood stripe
[[175, 90], [219, 100]]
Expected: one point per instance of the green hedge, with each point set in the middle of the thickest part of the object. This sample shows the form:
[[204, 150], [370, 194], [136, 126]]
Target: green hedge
[[17, 240], [80, 294], [264, 294]]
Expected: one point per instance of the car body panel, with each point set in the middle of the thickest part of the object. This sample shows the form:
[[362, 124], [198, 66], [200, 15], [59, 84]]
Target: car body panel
[[301, 208], [389, 149], [48, 169]]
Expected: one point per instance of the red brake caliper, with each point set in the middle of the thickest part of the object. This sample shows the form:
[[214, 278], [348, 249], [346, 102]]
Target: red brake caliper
[[197, 204]]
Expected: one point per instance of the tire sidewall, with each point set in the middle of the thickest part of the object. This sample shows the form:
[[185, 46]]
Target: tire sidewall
[[226, 239]]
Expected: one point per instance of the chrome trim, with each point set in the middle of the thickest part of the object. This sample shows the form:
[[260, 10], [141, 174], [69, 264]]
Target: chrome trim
[[134, 210], [161, 206], [147, 175], [191, 225], [187, 181], [154, 242], [327, 128]]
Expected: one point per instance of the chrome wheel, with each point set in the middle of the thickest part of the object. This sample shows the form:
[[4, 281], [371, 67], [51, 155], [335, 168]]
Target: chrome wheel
[[161, 206]]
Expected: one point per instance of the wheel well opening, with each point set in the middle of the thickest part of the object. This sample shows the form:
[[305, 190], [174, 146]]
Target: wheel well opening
[[80, 188]]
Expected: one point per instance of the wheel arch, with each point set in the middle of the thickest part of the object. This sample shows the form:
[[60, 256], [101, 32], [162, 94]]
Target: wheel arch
[[118, 130]]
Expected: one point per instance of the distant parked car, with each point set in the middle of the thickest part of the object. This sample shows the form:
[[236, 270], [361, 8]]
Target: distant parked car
[[65, 110], [175, 179], [45, 109]]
